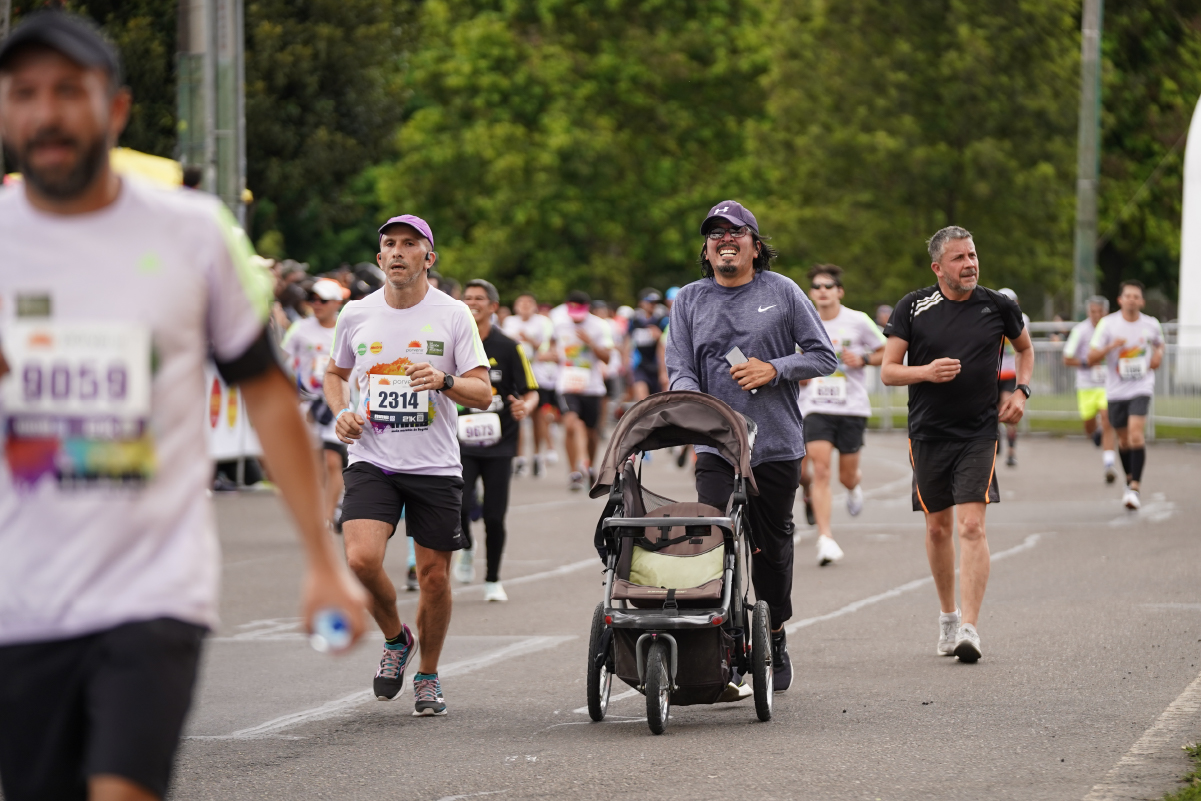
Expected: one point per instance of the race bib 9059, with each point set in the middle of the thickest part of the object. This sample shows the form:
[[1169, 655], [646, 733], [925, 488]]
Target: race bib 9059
[[829, 389], [77, 403], [394, 402]]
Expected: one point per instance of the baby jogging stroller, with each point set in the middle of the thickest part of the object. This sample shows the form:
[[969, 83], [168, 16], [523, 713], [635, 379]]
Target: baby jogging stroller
[[676, 621]]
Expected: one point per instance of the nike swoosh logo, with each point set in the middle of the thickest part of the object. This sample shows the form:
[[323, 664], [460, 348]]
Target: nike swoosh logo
[[765, 308]]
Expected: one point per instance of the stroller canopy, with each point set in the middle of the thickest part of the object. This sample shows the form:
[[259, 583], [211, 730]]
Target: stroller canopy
[[668, 419]]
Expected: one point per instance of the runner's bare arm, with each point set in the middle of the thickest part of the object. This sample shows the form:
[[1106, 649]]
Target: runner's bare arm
[[349, 426], [472, 389], [895, 373], [1023, 361], [524, 406], [271, 403], [1095, 356], [1157, 356]]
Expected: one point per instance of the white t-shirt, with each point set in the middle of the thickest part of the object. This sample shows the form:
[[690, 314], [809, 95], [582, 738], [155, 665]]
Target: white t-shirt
[[580, 372], [407, 432], [617, 331], [1077, 347], [107, 320], [308, 345], [1128, 372], [844, 392], [537, 340]]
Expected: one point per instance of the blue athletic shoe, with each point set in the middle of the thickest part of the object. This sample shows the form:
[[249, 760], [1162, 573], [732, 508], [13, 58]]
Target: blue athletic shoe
[[390, 677]]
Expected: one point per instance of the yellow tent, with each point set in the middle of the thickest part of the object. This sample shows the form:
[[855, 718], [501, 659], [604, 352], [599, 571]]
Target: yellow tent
[[133, 162]]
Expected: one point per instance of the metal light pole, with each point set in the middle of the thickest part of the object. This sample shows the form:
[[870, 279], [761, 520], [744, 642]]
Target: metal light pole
[[1088, 150], [6, 12]]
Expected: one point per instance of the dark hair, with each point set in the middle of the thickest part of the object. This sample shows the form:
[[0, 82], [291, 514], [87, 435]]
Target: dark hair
[[763, 258], [832, 270], [192, 176], [489, 289], [578, 296], [1132, 282]]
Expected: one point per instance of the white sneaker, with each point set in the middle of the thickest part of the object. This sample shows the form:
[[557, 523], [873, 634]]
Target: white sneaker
[[1111, 474], [465, 567], [493, 591], [552, 456], [967, 644], [1131, 499], [827, 551], [855, 501], [519, 466], [948, 630]]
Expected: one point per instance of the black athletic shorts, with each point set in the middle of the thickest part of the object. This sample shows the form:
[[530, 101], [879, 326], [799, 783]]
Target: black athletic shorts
[[1121, 411], [338, 448], [648, 377], [431, 504], [587, 407], [947, 472], [1006, 385], [110, 703], [844, 431], [547, 397]]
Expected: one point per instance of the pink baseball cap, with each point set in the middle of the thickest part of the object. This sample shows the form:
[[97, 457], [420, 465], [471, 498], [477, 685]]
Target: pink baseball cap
[[413, 221]]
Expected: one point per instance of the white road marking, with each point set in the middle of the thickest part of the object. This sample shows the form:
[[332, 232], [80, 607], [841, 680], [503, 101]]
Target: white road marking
[[1123, 780], [471, 795], [855, 606], [340, 706], [1157, 510], [630, 692]]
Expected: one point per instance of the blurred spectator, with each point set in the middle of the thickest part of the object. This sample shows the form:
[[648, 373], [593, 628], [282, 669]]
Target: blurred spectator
[[451, 287], [883, 313], [502, 314], [192, 176]]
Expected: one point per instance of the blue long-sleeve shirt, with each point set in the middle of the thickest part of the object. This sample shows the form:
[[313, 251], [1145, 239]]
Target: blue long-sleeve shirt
[[768, 319]]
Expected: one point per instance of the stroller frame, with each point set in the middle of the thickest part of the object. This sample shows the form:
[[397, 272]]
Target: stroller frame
[[656, 649]]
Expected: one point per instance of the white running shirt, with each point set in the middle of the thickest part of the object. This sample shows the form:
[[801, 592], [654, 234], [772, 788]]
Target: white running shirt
[[844, 392], [536, 336], [407, 432], [107, 320], [1128, 372], [580, 372], [308, 345], [1077, 347]]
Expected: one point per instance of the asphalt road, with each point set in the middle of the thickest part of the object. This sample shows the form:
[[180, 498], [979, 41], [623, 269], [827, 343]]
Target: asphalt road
[[1091, 634]]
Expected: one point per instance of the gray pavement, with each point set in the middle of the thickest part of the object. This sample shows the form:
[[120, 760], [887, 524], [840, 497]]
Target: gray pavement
[[1091, 633]]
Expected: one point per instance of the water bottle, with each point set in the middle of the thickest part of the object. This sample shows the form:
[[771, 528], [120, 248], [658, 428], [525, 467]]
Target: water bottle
[[331, 631]]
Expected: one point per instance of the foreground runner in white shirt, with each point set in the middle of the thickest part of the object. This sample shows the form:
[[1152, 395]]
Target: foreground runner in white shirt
[[1090, 384], [308, 344], [115, 293], [413, 352], [1131, 345], [835, 408]]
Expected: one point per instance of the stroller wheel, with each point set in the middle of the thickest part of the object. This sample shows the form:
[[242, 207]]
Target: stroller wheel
[[761, 663], [658, 686], [600, 680]]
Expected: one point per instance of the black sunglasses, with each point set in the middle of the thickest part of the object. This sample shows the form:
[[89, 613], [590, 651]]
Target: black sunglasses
[[816, 285]]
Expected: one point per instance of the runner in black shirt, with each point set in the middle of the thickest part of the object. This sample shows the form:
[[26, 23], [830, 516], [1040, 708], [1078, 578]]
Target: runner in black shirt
[[488, 439], [953, 332]]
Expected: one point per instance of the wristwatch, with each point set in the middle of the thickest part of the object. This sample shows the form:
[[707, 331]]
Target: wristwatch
[[1024, 388], [448, 382]]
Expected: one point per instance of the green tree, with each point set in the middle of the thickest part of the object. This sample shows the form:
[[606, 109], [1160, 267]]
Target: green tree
[[574, 143], [887, 121], [1151, 82], [323, 100]]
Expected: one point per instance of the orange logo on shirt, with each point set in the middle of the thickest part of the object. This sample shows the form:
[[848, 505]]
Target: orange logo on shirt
[[40, 339], [383, 382], [415, 344], [231, 407], [215, 404], [376, 347]]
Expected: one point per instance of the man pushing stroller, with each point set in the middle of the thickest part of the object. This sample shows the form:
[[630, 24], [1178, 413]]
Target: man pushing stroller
[[734, 335]]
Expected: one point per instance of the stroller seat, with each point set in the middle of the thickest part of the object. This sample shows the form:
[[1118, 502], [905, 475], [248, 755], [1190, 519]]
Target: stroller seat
[[677, 563]]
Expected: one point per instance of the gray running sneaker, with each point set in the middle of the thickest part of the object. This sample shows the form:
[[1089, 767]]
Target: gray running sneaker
[[390, 676], [967, 644], [948, 630], [427, 695]]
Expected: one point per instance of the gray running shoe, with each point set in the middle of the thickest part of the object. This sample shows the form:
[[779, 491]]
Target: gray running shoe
[[948, 630], [390, 676], [575, 482], [428, 700], [967, 644], [411, 583]]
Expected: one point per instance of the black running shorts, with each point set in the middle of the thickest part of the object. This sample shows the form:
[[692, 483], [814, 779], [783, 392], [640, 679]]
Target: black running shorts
[[586, 407], [109, 703], [1120, 412], [843, 431], [953, 471], [338, 448], [431, 504], [547, 397], [648, 377]]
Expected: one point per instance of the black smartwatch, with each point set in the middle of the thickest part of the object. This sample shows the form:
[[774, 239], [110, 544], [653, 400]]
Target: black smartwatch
[[1025, 389], [448, 382]]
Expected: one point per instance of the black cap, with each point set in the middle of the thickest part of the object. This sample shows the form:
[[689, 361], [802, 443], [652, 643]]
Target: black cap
[[75, 37]]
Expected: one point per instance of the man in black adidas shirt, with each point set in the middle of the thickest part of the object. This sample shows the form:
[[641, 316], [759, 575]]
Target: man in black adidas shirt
[[488, 438], [953, 332]]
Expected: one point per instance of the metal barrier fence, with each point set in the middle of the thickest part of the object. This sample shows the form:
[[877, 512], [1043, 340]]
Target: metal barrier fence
[[1175, 408]]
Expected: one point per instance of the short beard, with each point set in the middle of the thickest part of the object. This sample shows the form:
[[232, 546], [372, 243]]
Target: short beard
[[728, 269], [76, 181], [405, 284], [957, 287]]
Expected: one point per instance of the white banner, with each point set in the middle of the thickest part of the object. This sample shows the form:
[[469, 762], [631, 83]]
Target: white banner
[[230, 435]]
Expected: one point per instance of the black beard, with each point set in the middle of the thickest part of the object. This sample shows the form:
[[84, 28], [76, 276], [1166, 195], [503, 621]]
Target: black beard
[[76, 180], [727, 269]]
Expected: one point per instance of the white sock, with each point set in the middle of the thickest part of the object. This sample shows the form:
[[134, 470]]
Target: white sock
[[1108, 458], [948, 616]]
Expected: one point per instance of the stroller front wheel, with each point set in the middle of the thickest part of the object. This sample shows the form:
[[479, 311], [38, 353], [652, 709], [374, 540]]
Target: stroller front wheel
[[763, 670], [658, 686], [600, 680]]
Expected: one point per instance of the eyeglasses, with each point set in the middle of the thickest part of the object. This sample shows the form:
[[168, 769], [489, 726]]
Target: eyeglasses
[[717, 233], [316, 299], [816, 285]]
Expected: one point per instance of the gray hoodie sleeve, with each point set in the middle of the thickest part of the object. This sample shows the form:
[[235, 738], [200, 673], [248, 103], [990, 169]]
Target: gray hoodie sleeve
[[682, 370], [817, 357]]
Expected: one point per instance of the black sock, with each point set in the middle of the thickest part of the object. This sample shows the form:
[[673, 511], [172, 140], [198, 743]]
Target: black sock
[[1138, 457], [1124, 455], [399, 639], [1013, 440], [1097, 438]]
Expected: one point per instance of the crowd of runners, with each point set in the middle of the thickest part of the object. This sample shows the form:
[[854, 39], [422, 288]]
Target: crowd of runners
[[411, 390]]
